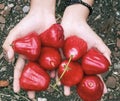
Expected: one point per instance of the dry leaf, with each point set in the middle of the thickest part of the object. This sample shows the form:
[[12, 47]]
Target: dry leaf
[[4, 83]]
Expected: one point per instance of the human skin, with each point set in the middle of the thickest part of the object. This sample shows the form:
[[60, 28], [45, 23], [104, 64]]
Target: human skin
[[74, 22], [39, 22]]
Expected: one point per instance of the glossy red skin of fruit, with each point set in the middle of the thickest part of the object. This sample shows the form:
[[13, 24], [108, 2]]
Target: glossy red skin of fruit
[[73, 75], [50, 58], [94, 62], [34, 78], [90, 88], [29, 46], [53, 36], [74, 46]]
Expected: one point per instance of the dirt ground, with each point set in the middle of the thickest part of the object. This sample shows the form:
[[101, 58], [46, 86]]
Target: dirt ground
[[105, 21]]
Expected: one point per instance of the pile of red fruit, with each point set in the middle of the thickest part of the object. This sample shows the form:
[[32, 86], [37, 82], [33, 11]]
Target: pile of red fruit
[[75, 64]]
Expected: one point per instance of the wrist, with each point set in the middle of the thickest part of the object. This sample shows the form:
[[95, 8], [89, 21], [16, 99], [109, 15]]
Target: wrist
[[83, 8], [76, 12], [43, 7]]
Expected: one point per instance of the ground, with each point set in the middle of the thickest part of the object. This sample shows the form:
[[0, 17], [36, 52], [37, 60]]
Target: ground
[[105, 21]]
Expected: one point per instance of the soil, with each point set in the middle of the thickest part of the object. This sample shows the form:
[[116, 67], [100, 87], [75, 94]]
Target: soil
[[105, 21]]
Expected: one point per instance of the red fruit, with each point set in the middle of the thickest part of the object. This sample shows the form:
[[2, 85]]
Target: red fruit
[[29, 46], [90, 88], [74, 46], [34, 78], [94, 62], [73, 75], [53, 36], [50, 58]]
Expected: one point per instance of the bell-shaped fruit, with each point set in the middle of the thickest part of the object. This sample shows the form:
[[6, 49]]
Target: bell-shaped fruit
[[29, 46], [74, 46], [34, 78], [73, 74], [50, 58], [90, 88], [53, 36], [94, 62]]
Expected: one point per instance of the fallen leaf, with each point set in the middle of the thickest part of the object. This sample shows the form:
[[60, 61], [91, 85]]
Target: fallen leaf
[[4, 83]]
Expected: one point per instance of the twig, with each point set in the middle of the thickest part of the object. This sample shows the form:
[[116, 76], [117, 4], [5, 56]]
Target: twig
[[66, 68]]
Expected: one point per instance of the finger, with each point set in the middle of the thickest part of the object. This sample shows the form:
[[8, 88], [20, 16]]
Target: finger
[[8, 55], [20, 30], [66, 90], [52, 74], [105, 88], [17, 73], [31, 94], [42, 99], [7, 45], [104, 50], [57, 79], [7, 49]]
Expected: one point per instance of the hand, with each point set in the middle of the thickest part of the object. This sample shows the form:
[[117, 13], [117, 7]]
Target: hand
[[37, 20], [77, 25]]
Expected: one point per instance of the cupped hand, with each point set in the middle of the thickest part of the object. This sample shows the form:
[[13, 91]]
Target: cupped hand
[[31, 23], [83, 30]]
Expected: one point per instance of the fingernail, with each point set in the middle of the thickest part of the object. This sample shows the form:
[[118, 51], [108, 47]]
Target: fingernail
[[9, 55], [31, 94], [66, 91], [16, 90], [16, 86]]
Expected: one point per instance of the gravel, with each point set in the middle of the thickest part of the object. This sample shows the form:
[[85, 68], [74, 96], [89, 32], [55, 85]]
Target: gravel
[[105, 21]]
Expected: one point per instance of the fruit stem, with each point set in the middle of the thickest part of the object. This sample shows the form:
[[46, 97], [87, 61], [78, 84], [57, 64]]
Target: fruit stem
[[66, 68], [55, 88]]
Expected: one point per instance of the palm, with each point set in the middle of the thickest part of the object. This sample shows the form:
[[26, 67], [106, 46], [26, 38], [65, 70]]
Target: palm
[[84, 31], [25, 26]]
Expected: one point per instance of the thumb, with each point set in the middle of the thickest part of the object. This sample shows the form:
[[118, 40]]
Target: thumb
[[66, 91], [7, 48]]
